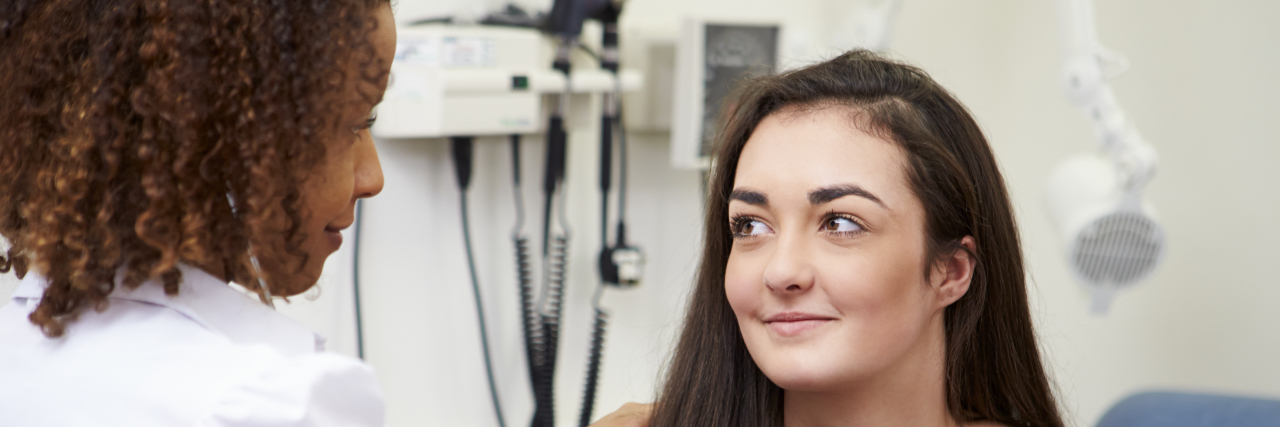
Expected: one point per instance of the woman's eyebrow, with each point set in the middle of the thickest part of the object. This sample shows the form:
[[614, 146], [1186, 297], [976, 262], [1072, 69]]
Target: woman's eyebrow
[[827, 194], [749, 196]]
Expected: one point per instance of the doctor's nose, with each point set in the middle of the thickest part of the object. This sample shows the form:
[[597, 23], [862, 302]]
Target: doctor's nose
[[368, 169]]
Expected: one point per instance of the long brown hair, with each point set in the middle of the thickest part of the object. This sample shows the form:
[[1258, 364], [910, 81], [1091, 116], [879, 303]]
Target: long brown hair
[[125, 125], [993, 366]]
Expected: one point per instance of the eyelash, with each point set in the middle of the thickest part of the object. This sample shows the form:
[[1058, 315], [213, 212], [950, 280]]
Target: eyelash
[[368, 123], [740, 220], [862, 228], [736, 224]]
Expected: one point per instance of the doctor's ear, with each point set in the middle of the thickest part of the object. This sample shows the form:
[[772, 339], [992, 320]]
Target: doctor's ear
[[953, 271]]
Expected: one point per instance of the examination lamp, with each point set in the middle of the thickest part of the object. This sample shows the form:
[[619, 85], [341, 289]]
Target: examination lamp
[[1113, 236]]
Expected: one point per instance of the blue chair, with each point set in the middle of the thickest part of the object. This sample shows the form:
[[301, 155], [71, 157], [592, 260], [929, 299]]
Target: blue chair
[[1175, 409]]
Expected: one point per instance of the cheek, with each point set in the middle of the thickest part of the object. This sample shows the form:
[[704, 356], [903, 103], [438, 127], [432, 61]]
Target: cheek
[[330, 191], [742, 284], [871, 283], [884, 296], [337, 194]]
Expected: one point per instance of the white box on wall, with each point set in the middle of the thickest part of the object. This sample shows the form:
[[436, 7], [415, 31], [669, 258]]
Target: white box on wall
[[462, 80], [711, 57]]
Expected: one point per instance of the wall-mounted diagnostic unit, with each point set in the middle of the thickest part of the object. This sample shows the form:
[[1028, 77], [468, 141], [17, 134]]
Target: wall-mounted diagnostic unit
[[711, 59], [459, 80], [465, 81], [450, 80]]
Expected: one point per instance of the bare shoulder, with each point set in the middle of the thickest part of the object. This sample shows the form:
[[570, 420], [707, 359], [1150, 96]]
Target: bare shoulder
[[629, 415]]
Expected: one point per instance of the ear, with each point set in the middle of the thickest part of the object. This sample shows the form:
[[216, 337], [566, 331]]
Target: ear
[[953, 273]]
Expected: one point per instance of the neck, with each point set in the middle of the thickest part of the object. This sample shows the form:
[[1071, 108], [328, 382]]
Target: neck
[[911, 391]]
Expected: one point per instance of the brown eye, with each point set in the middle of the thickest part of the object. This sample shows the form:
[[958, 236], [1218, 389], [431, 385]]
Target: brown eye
[[841, 225], [747, 227]]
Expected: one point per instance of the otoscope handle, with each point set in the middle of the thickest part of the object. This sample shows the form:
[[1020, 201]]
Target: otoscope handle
[[608, 17], [461, 148], [556, 140], [606, 153]]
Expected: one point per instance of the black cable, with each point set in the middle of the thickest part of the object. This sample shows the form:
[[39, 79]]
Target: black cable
[[515, 174], [529, 317], [484, 334], [593, 367], [554, 257], [622, 173], [557, 140], [608, 270], [565, 24], [606, 177], [557, 270], [608, 267], [534, 328], [355, 280], [462, 161], [589, 52]]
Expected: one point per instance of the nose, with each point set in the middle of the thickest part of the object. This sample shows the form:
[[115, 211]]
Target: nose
[[368, 170], [789, 269]]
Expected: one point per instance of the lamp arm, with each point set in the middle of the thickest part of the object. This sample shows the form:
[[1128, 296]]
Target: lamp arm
[[1087, 66]]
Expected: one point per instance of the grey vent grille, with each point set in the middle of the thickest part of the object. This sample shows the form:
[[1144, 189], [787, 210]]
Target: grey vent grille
[[1118, 249]]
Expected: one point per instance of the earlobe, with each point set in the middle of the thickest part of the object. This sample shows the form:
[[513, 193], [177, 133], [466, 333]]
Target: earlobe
[[955, 272]]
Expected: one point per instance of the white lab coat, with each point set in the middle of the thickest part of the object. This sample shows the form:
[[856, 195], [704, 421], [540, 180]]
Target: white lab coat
[[210, 356]]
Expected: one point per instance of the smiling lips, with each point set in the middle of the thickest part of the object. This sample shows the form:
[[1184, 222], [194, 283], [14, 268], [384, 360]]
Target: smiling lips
[[791, 324]]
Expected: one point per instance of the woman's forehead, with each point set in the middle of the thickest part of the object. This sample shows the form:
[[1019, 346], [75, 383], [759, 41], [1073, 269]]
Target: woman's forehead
[[794, 151]]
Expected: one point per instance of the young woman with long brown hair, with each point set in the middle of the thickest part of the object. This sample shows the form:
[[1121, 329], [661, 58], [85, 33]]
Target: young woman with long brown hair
[[151, 151], [861, 265]]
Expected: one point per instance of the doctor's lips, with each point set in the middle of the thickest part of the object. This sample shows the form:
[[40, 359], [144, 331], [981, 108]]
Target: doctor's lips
[[335, 235], [794, 323]]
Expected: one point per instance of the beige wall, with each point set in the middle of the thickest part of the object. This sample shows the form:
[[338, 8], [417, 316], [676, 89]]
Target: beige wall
[[1201, 88]]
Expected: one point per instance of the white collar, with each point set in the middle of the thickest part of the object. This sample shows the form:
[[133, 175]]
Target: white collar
[[212, 304]]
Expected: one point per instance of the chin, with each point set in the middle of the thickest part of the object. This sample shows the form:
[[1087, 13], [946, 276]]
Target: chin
[[306, 277], [801, 369], [296, 288], [798, 378], [298, 283]]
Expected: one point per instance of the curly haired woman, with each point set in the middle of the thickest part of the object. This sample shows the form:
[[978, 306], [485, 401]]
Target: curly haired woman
[[151, 152]]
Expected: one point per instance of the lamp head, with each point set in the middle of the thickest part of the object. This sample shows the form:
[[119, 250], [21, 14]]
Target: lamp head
[[1113, 237]]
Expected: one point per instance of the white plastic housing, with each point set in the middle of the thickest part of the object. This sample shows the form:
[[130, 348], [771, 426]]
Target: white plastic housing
[[1114, 238], [455, 80]]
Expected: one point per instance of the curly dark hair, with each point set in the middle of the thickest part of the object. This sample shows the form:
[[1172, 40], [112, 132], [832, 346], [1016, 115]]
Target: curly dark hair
[[126, 125]]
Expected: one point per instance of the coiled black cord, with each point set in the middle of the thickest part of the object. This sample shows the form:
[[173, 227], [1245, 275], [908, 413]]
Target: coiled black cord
[[529, 317], [556, 269], [608, 268], [593, 367], [541, 319], [528, 313]]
